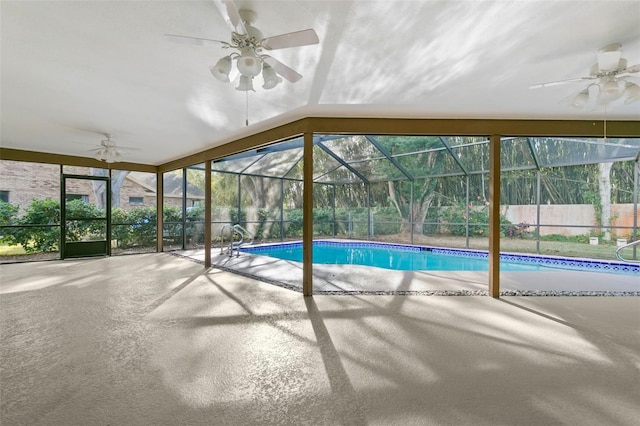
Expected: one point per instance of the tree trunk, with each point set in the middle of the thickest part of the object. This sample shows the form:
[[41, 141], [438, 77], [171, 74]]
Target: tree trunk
[[117, 180], [420, 212], [100, 188], [398, 202], [264, 193], [604, 186]]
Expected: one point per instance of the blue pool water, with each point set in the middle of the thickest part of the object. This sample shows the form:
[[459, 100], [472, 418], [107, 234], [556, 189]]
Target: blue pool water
[[412, 258]]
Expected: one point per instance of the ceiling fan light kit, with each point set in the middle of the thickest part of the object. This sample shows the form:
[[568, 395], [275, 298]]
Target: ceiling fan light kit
[[108, 152], [108, 155], [249, 45], [222, 69], [248, 63], [612, 80], [271, 79], [581, 99], [245, 84]]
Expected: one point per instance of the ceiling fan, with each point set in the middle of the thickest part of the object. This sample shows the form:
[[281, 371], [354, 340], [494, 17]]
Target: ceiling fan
[[611, 80], [249, 45], [108, 151]]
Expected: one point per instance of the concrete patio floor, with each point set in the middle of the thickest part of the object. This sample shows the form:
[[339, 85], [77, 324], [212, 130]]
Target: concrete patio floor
[[155, 339]]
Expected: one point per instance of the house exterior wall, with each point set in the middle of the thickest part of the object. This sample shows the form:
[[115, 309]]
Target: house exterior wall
[[26, 181], [131, 190]]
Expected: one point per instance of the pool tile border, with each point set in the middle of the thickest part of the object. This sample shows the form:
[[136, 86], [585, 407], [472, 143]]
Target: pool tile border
[[546, 261]]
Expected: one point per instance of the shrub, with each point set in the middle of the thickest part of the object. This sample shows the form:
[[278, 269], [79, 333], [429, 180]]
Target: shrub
[[456, 216], [136, 227], [36, 238], [171, 214], [565, 238], [293, 223], [119, 226], [8, 213], [385, 221], [143, 226], [78, 229], [322, 221]]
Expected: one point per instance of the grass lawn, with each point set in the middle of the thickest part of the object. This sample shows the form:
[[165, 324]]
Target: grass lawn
[[515, 245], [7, 250], [571, 249]]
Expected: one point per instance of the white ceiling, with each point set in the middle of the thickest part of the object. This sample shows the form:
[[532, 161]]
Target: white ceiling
[[72, 70]]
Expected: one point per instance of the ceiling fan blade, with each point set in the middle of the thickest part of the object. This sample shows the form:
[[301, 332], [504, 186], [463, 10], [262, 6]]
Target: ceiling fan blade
[[121, 149], [559, 82], [295, 39], [193, 40], [229, 12], [609, 57], [632, 68], [630, 78], [283, 70]]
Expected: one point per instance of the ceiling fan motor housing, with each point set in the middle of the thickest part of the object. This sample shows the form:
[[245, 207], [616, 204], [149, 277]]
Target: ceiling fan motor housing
[[247, 44]]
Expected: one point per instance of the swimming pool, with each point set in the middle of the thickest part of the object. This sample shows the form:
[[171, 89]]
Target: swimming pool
[[417, 258]]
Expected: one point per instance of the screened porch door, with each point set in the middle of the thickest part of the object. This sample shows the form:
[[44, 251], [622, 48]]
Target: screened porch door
[[85, 213]]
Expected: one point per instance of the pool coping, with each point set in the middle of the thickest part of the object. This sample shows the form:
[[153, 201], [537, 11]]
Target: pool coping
[[287, 275], [471, 293]]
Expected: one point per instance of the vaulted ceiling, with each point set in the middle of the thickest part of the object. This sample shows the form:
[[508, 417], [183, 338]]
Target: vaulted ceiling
[[74, 70]]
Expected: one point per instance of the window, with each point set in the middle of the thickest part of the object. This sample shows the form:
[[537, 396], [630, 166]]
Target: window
[[81, 197], [4, 196], [136, 200]]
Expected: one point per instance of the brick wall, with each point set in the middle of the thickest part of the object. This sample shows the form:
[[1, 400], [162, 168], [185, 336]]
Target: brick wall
[[28, 181], [130, 189]]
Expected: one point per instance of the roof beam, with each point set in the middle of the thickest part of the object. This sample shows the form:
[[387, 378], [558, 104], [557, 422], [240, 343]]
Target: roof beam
[[386, 153], [341, 161], [454, 156]]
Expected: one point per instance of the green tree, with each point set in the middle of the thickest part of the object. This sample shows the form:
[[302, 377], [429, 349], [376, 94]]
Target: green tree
[[426, 161]]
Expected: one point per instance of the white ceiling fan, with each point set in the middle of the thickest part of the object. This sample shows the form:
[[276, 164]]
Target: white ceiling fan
[[249, 45], [108, 151], [610, 80]]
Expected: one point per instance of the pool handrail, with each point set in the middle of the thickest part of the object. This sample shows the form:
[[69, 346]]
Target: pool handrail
[[234, 245], [619, 249], [243, 233], [222, 243]]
